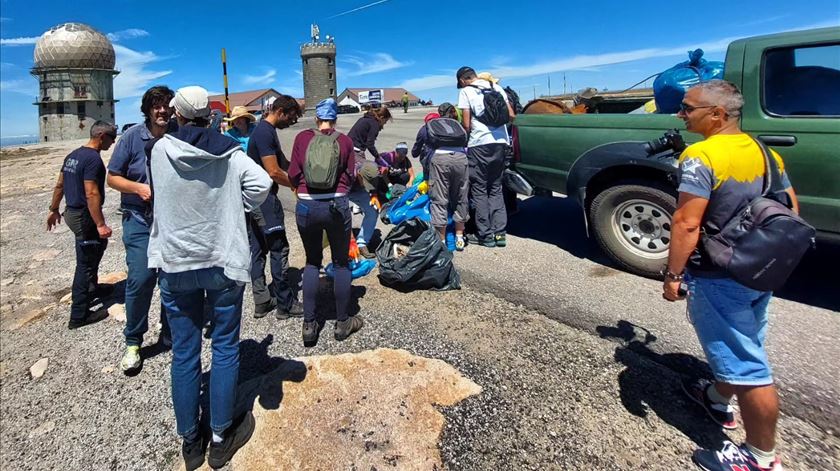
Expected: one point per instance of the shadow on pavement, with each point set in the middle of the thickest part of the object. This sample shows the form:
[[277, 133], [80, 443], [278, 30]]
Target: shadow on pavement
[[641, 391], [813, 283]]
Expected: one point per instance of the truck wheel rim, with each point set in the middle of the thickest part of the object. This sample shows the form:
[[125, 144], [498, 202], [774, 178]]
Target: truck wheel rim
[[644, 228]]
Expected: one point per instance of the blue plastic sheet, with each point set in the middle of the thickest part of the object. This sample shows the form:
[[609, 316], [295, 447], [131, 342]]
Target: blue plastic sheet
[[669, 88], [358, 268], [413, 205]]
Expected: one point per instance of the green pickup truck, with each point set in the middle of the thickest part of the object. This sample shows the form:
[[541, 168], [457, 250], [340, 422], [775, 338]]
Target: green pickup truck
[[627, 188]]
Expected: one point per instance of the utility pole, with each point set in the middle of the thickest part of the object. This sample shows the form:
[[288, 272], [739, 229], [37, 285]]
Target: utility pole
[[535, 92], [564, 83], [549, 84]]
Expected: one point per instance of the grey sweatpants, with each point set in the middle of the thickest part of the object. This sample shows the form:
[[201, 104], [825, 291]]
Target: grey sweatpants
[[486, 166], [448, 187]]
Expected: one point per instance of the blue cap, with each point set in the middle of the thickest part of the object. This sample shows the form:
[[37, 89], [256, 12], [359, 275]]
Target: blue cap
[[327, 110]]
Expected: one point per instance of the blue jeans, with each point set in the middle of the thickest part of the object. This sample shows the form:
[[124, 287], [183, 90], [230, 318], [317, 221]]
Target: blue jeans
[[361, 198], [731, 322], [183, 295], [140, 284]]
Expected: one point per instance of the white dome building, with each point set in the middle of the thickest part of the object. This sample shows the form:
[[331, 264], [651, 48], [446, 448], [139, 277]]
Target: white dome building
[[74, 64]]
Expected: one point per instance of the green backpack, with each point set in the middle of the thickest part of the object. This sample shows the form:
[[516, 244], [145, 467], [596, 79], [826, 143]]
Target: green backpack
[[322, 161]]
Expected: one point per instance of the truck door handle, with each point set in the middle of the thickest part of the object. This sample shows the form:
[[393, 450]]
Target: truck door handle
[[780, 141]]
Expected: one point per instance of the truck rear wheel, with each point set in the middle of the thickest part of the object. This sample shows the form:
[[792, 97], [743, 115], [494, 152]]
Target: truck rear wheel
[[632, 224]]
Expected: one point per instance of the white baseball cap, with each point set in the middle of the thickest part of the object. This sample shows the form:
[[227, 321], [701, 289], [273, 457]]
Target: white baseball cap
[[191, 102]]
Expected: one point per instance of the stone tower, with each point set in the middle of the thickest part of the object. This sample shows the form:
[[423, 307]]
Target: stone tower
[[74, 65], [319, 81]]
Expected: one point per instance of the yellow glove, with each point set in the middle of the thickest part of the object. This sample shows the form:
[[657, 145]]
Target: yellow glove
[[423, 187]]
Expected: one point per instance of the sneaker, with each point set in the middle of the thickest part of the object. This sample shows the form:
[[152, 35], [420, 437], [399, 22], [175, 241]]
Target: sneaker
[[260, 310], [131, 360], [473, 239], [311, 331], [365, 252], [722, 414], [193, 452], [237, 435], [295, 310], [91, 317], [343, 329], [731, 457], [501, 239], [460, 243]]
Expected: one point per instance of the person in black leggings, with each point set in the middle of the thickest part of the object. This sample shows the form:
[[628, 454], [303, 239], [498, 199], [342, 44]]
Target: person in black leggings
[[325, 210]]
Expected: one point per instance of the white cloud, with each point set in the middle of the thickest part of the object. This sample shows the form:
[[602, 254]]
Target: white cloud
[[134, 76], [357, 9], [130, 33], [373, 63], [18, 41], [265, 79], [25, 87]]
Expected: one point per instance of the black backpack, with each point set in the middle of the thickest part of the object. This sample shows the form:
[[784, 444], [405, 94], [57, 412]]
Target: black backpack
[[495, 107], [762, 244], [445, 132], [513, 99]]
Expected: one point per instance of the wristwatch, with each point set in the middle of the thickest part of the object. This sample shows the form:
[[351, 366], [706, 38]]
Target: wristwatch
[[53, 209], [671, 275]]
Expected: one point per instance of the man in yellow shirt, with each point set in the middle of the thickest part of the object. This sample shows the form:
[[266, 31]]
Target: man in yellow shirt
[[718, 177]]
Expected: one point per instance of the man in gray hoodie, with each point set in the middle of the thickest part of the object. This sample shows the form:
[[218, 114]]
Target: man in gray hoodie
[[202, 185]]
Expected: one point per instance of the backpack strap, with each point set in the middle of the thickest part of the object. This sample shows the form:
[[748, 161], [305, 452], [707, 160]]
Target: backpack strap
[[772, 176]]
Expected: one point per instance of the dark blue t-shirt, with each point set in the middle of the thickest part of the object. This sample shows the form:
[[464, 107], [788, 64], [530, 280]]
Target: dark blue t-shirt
[[264, 142], [129, 161], [82, 164]]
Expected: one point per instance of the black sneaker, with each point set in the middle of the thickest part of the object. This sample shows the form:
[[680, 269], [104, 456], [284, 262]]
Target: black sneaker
[[722, 414], [731, 457], [501, 239], [236, 436], [343, 329], [193, 452], [295, 310], [365, 252], [260, 310], [473, 239], [91, 317], [311, 331]]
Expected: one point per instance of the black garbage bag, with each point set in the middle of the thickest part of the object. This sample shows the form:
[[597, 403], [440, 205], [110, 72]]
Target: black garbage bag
[[413, 257]]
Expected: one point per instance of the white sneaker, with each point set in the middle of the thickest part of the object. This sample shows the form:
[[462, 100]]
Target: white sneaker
[[131, 359]]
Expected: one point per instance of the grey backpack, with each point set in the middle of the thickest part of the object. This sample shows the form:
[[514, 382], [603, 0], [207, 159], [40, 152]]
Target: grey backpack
[[764, 242], [322, 161]]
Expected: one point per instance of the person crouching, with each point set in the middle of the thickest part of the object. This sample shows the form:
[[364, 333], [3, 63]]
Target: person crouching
[[322, 170]]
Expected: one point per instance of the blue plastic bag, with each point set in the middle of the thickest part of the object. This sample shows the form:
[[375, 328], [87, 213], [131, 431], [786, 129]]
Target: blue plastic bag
[[669, 88], [358, 269], [411, 205]]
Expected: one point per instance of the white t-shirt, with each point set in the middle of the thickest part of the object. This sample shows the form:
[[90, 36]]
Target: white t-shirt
[[472, 99]]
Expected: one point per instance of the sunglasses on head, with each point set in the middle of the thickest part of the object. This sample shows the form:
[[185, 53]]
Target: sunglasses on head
[[686, 108]]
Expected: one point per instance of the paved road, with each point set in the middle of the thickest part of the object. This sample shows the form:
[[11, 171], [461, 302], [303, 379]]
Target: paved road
[[551, 266]]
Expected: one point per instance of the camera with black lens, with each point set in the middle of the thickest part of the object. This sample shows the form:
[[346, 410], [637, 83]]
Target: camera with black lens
[[672, 139]]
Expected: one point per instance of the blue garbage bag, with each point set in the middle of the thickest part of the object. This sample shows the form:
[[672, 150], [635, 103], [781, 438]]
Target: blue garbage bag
[[408, 206], [358, 268], [670, 86]]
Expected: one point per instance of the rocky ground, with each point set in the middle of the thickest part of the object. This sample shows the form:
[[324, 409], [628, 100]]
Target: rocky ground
[[519, 387]]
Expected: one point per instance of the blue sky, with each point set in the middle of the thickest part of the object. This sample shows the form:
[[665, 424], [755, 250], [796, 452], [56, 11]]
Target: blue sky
[[413, 44]]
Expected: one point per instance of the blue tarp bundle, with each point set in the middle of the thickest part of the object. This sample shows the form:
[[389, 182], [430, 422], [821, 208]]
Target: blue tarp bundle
[[670, 86]]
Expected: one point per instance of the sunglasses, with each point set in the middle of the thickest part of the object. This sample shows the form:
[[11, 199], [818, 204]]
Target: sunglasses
[[686, 108], [112, 136]]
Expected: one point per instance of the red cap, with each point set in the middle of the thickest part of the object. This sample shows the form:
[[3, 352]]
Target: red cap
[[430, 117]]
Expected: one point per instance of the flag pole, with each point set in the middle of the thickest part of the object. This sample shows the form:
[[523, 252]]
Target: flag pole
[[224, 73]]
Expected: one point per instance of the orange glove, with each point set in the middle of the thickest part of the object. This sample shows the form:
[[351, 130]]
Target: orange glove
[[374, 201], [354, 249]]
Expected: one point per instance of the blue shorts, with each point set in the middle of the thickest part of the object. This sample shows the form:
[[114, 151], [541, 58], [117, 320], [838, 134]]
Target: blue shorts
[[731, 321]]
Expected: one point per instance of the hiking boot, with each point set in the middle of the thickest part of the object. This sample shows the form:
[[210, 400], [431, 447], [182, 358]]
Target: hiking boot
[[260, 310], [311, 331], [501, 239], [731, 457], [460, 243], [131, 360], [92, 317], [365, 252], [473, 239], [236, 436], [722, 414], [295, 310], [344, 328], [193, 452]]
